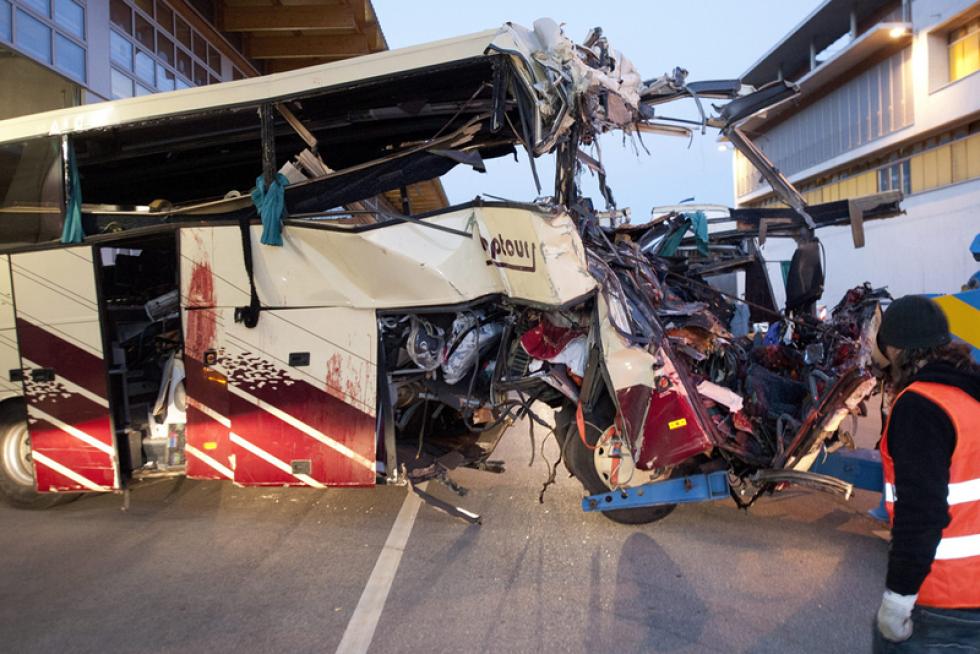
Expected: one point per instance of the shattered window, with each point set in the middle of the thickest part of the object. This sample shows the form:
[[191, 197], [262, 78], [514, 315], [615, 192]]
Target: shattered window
[[31, 191]]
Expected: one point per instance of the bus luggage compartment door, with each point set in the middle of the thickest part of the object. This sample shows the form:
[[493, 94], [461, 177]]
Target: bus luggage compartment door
[[302, 390], [64, 370]]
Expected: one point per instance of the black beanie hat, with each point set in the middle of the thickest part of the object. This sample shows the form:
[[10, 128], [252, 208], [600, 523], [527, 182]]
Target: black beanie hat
[[913, 321]]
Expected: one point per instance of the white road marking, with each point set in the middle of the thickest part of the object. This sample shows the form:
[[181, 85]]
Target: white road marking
[[73, 431], [279, 463], [68, 472], [211, 461], [360, 630], [303, 427]]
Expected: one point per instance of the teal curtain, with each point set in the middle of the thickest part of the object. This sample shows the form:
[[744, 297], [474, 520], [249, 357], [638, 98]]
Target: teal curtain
[[271, 203], [699, 225], [696, 222], [72, 232]]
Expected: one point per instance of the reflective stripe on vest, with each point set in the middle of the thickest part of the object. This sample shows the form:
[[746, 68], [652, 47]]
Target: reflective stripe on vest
[[954, 579]]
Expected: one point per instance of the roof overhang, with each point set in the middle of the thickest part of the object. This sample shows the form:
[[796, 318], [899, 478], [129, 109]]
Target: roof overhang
[[280, 36], [821, 28], [882, 38]]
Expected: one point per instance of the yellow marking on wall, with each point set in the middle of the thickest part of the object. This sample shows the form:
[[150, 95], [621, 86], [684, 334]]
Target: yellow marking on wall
[[957, 151], [917, 170], [964, 320], [973, 156], [944, 166]]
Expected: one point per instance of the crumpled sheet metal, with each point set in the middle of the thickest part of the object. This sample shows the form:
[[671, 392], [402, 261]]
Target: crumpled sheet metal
[[627, 365], [562, 72]]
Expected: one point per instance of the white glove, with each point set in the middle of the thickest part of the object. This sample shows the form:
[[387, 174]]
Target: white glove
[[895, 616]]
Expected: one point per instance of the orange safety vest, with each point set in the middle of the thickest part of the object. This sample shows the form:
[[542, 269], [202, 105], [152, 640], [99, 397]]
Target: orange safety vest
[[954, 579]]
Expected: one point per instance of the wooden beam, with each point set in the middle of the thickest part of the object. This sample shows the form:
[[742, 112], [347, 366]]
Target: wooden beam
[[282, 3], [291, 47], [279, 19], [367, 23], [361, 9]]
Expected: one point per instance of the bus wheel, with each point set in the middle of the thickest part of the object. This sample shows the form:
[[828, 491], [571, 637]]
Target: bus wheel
[[581, 461], [16, 466]]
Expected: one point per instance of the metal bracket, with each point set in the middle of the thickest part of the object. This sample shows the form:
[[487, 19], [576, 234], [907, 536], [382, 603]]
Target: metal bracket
[[466, 516], [860, 468], [696, 488]]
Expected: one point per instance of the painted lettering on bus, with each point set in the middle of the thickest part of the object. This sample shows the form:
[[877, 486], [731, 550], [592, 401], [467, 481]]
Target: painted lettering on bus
[[509, 253]]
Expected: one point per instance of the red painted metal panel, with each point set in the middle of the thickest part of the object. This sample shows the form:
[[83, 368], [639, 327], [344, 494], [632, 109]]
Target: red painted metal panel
[[58, 331], [310, 424], [671, 432], [68, 417], [44, 347], [208, 420], [271, 416], [280, 433]]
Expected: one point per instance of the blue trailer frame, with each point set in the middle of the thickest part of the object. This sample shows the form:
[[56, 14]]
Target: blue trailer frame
[[861, 468]]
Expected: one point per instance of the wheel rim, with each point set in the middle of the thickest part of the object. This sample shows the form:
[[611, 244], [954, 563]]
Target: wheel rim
[[612, 459], [17, 456]]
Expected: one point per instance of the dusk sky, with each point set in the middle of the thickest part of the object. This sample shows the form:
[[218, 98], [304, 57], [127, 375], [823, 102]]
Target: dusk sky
[[711, 39]]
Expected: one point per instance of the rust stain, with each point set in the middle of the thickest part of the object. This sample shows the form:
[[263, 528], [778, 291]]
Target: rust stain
[[202, 324]]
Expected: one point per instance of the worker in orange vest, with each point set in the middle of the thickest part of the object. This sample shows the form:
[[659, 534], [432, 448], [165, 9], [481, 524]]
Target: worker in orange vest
[[930, 453]]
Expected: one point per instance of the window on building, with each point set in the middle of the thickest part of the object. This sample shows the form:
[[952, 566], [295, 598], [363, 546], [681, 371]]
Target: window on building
[[156, 50], [875, 103], [5, 20], [896, 177], [33, 36], [49, 31], [964, 50]]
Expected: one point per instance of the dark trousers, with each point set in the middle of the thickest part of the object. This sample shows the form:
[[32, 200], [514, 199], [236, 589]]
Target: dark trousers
[[936, 631]]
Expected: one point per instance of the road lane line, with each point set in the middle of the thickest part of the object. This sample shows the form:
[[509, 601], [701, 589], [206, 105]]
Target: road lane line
[[360, 630]]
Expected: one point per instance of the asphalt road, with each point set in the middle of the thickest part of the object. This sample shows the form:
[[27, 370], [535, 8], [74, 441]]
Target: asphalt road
[[204, 566]]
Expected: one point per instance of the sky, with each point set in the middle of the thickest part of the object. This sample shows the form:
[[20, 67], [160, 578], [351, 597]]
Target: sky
[[712, 39]]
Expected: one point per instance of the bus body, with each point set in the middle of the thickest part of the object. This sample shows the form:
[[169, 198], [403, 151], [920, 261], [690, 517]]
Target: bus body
[[217, 283]]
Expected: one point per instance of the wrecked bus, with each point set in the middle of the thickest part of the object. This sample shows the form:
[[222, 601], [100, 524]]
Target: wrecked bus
[[216, 283]]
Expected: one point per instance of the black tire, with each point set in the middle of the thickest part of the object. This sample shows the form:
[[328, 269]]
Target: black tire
[[580, 461], [16, 469]]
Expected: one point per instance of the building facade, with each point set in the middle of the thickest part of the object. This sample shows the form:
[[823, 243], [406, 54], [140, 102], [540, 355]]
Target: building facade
[[889, 99], [62, 53]]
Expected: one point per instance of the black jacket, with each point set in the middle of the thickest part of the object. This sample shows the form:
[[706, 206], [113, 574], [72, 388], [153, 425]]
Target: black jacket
[[921, 440]]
